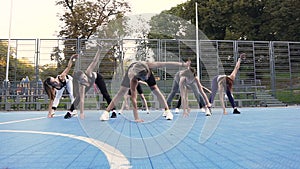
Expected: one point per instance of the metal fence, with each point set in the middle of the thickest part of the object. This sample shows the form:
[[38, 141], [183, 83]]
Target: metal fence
[[271, 66]]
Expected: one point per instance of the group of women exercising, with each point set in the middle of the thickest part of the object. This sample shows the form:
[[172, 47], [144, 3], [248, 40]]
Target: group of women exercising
[[138, 72]]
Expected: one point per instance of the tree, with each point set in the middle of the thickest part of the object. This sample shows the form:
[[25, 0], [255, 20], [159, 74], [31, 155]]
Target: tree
[[243, 19], [17, 68], [83, 17]]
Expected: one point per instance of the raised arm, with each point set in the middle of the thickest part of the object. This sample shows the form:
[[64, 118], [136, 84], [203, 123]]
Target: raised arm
[[94, 63], [237, 66], [66, 71]]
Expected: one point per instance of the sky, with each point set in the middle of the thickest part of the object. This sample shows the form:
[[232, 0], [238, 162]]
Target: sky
[[38, 18]]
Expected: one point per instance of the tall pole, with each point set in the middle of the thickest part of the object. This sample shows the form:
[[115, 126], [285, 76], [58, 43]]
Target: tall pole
[[8, 46], [197, 42]]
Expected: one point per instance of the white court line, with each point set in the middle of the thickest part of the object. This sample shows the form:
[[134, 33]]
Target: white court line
[[115, 158], [18, 121]]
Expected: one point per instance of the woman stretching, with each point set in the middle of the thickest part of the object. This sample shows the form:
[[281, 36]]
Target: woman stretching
[[55, 87], [141, 71], [223, 82], [85, 81]]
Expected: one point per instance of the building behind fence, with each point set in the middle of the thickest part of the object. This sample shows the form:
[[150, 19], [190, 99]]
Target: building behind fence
[[271, 69]]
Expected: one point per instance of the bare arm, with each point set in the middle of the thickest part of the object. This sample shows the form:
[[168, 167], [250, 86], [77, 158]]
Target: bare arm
[[236, 69], [142, 82], [81, 103], [202, 92], [183, 94], [168, 64], [133, 85], [66, 71], [94, 63], [221, 95]]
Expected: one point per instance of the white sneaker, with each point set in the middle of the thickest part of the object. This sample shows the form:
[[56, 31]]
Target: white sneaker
[[104, 116], [169, 115], [74, 113], [148, 112], [207, 112], [164, 114], [176, 110]]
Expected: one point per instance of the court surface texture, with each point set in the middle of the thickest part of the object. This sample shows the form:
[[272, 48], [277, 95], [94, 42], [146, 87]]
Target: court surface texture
[[257, 138]]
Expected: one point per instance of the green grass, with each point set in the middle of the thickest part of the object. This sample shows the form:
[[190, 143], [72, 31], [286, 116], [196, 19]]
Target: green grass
[[289, 96]]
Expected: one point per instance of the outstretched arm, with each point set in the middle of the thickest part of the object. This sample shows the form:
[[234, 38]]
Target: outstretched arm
[[66, 71], [142, 82], [200, 87], [94, 63], [168, 64], [237, 66]]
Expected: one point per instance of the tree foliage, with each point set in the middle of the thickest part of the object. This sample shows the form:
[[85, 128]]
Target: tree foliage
[[18, 69], [276, 20], [82, 20], [83, 17]]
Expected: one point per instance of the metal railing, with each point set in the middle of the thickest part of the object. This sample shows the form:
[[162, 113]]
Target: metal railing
[[272, 66]]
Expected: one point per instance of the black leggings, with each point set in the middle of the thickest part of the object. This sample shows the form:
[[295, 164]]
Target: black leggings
[[102, 87], [99, 81]]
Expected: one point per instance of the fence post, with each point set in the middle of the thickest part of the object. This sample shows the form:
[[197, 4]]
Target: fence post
[[272, 68]]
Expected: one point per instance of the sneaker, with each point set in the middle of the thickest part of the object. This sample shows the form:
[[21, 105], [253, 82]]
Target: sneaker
[[113, 114], [104, 116], [207, 112], [164, 114], [176, 110], [147, 111], [235, 111], [74, 113], [67, 115], [169, 115]]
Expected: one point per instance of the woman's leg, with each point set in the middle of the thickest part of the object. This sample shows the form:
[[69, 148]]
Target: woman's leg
[[197, 95], [58, 95], [214, 89], [122, 91], [102, 87], [174, 90]]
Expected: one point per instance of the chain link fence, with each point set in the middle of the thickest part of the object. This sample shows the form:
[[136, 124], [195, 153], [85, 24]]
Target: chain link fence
[[271, 70]]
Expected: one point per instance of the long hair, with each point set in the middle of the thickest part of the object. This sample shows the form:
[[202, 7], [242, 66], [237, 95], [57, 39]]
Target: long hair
[[49, 89], [229, 83]]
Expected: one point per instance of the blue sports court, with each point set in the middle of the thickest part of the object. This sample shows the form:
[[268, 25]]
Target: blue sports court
[[257, 138]]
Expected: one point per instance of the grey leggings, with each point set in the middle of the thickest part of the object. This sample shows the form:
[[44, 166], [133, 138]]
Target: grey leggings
[[193, 86]]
